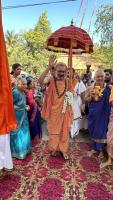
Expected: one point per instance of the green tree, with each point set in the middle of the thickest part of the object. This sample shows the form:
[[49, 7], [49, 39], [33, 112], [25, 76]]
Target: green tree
[[103, 52], [104, 23], [104, 55], [28, 48], [43, 24], [36, 37], [34, 41], [11, 38]]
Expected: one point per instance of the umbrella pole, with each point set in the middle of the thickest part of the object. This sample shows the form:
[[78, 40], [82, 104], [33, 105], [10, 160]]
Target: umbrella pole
[[70, 61]]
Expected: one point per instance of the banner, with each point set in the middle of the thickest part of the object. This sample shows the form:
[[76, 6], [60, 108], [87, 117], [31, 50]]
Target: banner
[[7, 115]]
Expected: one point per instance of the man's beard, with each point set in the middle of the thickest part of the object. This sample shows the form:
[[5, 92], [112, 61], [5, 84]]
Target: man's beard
[[60, 77], [107, 81]]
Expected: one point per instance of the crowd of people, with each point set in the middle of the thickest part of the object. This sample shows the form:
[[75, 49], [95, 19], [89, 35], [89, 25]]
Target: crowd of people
[[68, 102]]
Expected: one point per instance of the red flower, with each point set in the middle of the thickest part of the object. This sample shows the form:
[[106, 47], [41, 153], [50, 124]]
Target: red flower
[[51, 189], [81, 176], [66, 175], [90, 164], [55, 162], [36, 150], [105, 177], [97, 191], [8, 185], [41, 172], [46, 151], [29, 171]]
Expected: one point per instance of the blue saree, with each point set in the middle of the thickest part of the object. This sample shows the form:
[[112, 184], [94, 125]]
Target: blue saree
[[98, 119], [20, 138]]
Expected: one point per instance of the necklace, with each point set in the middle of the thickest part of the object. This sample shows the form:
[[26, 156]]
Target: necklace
[[56, 87]]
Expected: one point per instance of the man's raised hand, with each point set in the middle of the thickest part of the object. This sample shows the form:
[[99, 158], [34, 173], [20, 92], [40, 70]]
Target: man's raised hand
[[52, 61]]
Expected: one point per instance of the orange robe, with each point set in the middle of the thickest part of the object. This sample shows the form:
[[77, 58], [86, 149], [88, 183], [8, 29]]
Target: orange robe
[[7, 115], [58, 123]]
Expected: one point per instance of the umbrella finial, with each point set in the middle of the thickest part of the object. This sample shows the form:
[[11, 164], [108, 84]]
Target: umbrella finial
[[72, 22]]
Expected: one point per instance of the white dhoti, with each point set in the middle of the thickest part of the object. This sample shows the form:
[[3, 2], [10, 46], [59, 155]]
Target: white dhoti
[[84, 123], [75, 128], [5, 152], [77, 102]]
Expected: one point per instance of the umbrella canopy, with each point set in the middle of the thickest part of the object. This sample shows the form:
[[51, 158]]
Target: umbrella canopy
[[70, 37]]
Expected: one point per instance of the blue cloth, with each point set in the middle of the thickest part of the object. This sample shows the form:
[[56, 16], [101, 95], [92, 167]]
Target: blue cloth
[[98, 118], [97, 146], [20, 138], [35, 125]]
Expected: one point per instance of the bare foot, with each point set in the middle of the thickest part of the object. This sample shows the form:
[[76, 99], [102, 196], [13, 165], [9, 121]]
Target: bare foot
[[90, 153], [65, 156], [54, 153], [100, 156], [8, 170], [106, 164]]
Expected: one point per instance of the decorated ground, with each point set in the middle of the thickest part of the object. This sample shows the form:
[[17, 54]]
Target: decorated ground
[[42, 177]]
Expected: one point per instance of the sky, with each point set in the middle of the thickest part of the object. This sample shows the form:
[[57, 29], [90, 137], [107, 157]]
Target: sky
[[59, 14]]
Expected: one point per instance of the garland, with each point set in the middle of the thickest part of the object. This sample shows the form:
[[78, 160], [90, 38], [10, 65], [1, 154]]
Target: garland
[[68, 100], [56, 87], [98, 92]]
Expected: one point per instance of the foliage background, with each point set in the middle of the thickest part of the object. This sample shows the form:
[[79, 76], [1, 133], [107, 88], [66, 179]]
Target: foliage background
[[28, 49]]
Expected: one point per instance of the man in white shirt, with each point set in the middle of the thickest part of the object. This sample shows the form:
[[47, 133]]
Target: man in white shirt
[[79, 90]]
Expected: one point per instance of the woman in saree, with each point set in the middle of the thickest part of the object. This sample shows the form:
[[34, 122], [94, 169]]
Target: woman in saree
[[20, 138], [16, 70], [34, 115], [109, 136], [97, 98]]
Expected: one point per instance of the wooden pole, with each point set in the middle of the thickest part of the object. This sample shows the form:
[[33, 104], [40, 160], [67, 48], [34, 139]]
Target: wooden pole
[[70, 61]]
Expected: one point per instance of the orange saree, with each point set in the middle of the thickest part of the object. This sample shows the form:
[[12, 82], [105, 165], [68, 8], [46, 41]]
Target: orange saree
[[7, 115]]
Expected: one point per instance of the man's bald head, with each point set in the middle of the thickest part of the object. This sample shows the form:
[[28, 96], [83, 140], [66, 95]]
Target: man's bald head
[[99, 72], [100, 77], [60, 65]]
